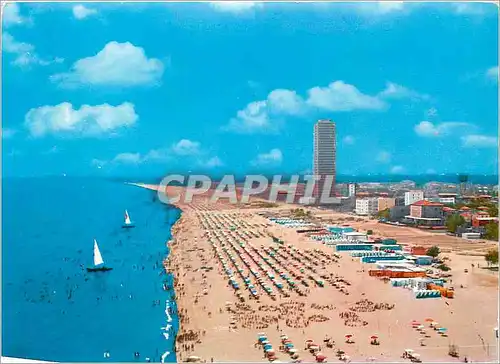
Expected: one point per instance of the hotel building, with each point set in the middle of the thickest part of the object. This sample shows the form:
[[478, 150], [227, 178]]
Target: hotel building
[[324, 154]]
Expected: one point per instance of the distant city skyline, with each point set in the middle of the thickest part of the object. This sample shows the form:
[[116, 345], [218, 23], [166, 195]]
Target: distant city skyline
[[237, 89]]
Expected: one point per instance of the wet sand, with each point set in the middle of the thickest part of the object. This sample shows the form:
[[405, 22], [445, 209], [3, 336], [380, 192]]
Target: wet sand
[[216, 326]]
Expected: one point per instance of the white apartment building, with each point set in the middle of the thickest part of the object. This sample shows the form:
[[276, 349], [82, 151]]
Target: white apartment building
[[447, 200], [352, 189], [366, 206], [413, 196]]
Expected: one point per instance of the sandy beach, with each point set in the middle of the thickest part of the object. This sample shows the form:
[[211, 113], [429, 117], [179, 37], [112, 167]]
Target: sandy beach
[[217, 325]]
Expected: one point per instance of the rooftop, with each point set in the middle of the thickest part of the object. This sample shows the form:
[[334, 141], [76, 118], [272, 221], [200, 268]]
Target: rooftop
[[426, 203]]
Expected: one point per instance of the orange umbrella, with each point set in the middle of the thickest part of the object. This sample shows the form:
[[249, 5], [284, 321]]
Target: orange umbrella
[[374, 337], [429, 320]]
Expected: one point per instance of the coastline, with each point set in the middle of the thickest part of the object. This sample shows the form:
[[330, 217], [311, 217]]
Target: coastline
[[211, 331]]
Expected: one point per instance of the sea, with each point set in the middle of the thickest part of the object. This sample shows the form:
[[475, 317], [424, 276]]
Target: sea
[[52, 308]]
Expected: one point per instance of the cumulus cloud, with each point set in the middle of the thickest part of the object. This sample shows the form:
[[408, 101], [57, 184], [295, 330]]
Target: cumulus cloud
[[395, 91], [24, 53], [81, 12], [117, 64], [383, 157], [428, 129], [129, 158], [479, 141], [470, 8], [186, 147], [87, 121], [379, 8], [340, 96], [235, 7], [348, 139], [397, 169], [213, 162], [12, 15], [274, 157], [191, 151]]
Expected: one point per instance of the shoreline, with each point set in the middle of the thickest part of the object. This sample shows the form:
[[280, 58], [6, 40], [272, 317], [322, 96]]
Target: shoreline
[[209, 330]]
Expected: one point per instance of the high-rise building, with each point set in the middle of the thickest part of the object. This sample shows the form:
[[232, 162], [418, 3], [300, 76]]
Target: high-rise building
[[352, 189], [324, 154]]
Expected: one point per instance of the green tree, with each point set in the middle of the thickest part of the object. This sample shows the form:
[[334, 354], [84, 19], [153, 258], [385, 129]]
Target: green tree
[[493, 210], [491, 231], [454, 221], [491, 256], [384, 214], [433, 251], [369, 232]]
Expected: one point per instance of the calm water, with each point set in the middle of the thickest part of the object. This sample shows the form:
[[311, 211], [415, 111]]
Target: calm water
[[52, 308]]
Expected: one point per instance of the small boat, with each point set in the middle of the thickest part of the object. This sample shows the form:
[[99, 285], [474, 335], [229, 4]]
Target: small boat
[[98, 261], [128, 223]]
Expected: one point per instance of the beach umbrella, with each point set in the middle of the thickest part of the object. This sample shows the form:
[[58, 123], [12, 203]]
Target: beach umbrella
[[268, 347], [292, 350], [374, 337], [348, 336], [429, 320]]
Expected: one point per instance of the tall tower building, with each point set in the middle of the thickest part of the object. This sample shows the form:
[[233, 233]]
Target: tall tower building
[[325, 148]]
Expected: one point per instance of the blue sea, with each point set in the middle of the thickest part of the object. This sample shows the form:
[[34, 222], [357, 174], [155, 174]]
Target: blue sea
[[52, 308]]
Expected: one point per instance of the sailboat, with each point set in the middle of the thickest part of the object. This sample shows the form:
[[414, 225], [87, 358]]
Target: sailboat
[[98, 261], [128, 223]]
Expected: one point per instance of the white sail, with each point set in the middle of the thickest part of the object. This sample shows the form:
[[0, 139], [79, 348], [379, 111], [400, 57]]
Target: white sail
[[97, 255], [127, 218]]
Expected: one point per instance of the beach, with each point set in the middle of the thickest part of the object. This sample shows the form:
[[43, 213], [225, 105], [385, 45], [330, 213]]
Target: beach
[[216, 325]]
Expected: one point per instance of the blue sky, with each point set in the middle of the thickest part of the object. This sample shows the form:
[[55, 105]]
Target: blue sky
[[131, 89]]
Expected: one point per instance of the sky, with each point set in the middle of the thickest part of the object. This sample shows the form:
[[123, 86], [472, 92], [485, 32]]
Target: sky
[[150, 89]]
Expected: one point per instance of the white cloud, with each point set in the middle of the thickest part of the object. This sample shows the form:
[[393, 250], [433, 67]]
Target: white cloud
[[379, 7], [7, 133], [428, 129], [252, 118], [348, 139], [87, 121], [285, 102], [397, 169], [274, 157], [25, 54], [11, 15], [186, 147], [128, 158], [340, 96], [469, 8], [383, 157], [492, 73], [213, 162], [395, 91], [117, 64], [479, 141], [266, 115], [81, 12], [235, 7]]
